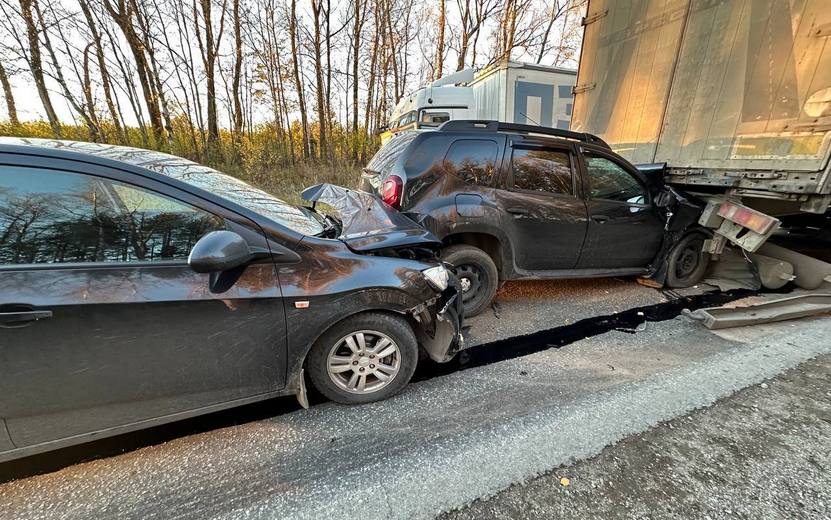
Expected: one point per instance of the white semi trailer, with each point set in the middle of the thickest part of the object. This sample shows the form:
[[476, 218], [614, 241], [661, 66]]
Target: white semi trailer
[[731, 97], [511, 92]]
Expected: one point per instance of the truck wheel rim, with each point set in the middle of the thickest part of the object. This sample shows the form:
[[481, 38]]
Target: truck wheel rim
[[363, 362]]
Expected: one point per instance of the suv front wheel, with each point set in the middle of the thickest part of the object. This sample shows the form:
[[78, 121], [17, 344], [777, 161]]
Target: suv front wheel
[[477, 275]]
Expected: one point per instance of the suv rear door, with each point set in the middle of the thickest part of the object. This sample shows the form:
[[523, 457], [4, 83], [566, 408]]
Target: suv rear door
[[542, 204], [625, 229]]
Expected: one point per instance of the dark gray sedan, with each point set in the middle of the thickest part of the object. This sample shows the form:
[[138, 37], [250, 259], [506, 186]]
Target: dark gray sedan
[[138, 288]]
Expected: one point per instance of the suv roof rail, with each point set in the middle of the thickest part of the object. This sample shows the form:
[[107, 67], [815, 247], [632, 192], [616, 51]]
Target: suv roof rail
[[456, 125]]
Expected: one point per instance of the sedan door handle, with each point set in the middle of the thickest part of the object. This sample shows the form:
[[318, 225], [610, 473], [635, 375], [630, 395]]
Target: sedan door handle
[[600, 219], [11, 320], [517, 211]]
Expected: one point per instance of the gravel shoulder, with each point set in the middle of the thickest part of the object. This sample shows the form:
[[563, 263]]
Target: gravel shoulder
[[762, 453]]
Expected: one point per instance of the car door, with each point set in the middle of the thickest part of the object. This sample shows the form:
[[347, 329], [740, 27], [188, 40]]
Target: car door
[[102, 322], [624, 230], [543, 209]]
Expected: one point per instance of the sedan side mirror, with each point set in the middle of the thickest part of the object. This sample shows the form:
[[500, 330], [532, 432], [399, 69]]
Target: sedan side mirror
[[219, 251]]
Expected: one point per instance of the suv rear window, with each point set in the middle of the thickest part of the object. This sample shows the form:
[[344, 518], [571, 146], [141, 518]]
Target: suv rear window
[[472, 160], [384, 159]]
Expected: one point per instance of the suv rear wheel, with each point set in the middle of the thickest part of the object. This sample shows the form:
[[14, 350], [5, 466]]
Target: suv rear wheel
[[477, 275]]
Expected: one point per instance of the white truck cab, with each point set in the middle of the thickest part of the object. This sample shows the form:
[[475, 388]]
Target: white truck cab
[[509, 92]]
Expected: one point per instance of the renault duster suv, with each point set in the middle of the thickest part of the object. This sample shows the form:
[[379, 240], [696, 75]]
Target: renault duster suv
[[516, 201]]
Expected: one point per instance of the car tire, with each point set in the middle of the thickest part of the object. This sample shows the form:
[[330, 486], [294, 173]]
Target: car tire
[[477, 275], [332, 362], [687, 262]]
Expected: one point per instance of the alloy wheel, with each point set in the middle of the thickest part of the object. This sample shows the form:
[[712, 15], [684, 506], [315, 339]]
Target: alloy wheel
[[363, 362]]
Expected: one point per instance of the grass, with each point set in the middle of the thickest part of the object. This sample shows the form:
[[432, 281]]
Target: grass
[[259, 158]]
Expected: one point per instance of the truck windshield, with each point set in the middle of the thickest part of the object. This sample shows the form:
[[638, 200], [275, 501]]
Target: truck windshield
[[384, 159]]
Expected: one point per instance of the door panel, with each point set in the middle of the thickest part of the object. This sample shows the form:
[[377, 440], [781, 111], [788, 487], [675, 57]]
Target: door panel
[[624, 229], [132, 343], [621, 235], [541, 210], [134, 333]]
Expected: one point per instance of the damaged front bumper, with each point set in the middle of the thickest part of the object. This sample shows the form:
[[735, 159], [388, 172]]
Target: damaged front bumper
[[439, 330]]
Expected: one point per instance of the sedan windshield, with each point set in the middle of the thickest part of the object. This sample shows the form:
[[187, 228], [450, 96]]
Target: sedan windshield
[[296, 218]]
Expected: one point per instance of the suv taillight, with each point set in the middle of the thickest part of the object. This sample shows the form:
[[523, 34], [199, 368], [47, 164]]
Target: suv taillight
[[391, 190]]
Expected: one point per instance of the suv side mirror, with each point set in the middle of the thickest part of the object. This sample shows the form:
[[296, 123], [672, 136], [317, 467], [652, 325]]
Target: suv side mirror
[[219, 251]]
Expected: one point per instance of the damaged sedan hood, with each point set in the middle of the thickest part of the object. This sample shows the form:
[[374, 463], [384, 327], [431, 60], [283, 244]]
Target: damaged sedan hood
[[368, 224]]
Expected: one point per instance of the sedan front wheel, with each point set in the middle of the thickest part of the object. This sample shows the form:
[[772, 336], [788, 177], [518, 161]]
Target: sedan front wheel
[[365, 358]]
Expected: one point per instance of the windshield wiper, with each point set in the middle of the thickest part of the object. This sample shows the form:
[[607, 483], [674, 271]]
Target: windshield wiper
[[331, 227]]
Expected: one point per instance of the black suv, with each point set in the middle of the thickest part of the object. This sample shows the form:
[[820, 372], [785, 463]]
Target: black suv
[[516, 201]]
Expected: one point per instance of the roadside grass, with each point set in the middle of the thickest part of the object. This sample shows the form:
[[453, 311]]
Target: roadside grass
[[259, 157]]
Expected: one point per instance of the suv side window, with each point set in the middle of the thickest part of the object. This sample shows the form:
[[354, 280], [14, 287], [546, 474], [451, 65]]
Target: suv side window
[[541, 170], [52, 217], [472, 160], [609, 181]]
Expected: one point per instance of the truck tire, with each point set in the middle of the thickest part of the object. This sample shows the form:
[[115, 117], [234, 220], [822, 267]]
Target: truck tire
[[687, 262], [477, 275], [367, 357]]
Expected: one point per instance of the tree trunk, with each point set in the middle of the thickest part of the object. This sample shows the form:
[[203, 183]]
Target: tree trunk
[[102, 68], [36, 65], [83, 111], [439, 61], [321, 108], [123, 18], [11, 108], [209, 61], [298, 83], [356, 53], [238, 121]]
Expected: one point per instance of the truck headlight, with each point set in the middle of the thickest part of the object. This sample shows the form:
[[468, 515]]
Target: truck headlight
[[437, 276]]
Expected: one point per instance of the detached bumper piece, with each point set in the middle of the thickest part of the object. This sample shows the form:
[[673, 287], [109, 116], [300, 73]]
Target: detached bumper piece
[[766, 312], [440, 324]]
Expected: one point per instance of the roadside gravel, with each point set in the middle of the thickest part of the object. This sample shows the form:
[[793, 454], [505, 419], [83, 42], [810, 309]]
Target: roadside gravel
[[764, 452]]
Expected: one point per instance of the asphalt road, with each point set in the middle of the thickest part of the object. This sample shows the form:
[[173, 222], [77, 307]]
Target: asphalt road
[[447, 440], [761, 453]]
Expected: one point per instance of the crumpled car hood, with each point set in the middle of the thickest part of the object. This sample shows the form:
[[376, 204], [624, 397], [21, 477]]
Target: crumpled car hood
[[368, 223]]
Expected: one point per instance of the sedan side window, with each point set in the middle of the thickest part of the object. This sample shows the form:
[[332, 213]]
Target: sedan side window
[[51, 216], [611, 182], [473, 160], [546, 171]]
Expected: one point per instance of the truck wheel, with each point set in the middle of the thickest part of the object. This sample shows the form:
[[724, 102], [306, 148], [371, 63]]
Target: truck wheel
[[365, 358], [477, 275], [687, 262]]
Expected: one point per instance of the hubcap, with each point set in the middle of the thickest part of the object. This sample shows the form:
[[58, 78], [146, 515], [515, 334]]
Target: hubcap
[[470, 279], [363, 362]]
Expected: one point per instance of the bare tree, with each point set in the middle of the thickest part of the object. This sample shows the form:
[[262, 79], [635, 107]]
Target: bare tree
[[235, 85], [11, 107], [474, 14], [103, 70], [298, 83], [317, 9], [122, 14], [441, 22], [36, 64], [209, 47]]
